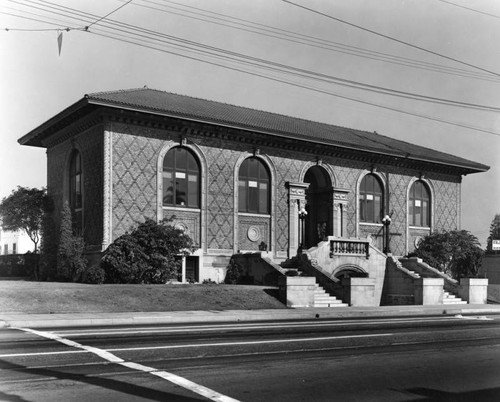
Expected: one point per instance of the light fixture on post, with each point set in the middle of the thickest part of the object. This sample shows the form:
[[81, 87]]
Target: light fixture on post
[[302, 228], [387, 222]]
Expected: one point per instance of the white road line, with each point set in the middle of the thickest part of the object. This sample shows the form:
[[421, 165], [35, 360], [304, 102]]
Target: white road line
[[183, 382], [194, 345], [62, 352], [241, 327], [275, 341]]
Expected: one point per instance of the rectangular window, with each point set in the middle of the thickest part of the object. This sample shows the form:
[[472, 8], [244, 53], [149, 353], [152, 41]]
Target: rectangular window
[[263, 201], [5, 249], [253, 199], [425, 214], [14, 248], [362, 209], [192, 190], [242, 195], [418, 215], [378, 208], [411, 214], [168, 189], [181, 190], [369, 210]]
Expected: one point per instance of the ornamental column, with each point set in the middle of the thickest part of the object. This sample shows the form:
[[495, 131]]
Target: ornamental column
[[340, 203], [296, 201]]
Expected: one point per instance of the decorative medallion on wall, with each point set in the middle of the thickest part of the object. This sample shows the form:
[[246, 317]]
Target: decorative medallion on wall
[[181, 226], [253, 233]]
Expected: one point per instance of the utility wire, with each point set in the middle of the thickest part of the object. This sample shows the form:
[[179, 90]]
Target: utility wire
[[107, 15], [470, 9], [391, 38], [280, 80], [294, 37], [146, 34]]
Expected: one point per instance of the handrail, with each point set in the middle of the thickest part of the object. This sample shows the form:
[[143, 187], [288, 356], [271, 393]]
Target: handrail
[[349, 247]]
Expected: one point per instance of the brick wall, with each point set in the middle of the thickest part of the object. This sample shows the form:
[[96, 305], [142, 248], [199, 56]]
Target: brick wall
[[136, 152]]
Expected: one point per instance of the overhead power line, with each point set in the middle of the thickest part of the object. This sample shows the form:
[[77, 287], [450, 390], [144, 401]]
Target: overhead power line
[[470, 9], [257, 62], [159, 41], [232, 22], [391, 38]]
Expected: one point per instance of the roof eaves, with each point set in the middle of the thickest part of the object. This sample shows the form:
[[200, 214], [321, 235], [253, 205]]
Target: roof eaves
[[32, 138], [284, 134]]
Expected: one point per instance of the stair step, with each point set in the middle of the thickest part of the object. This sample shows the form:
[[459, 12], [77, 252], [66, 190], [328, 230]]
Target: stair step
[[323, 299], [340, 304], [454, 301], [327, 299]]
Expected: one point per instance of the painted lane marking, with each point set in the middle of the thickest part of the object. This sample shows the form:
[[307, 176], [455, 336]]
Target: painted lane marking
[[175, 379], [241, 327], [272, 341]]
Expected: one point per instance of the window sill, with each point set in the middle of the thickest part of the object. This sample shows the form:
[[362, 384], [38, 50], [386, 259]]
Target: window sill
[[420, 227], [254, 215], [371, 224], [181, 209]]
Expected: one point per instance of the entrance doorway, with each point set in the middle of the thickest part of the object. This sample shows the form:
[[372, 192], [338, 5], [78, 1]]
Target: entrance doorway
[[319, 207]]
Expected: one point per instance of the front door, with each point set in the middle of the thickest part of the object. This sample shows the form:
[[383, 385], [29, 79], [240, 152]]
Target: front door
[[319, 220]]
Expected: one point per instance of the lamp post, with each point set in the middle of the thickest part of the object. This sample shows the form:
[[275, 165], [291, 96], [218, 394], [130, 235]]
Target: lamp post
[[302, 227], [387, 222]]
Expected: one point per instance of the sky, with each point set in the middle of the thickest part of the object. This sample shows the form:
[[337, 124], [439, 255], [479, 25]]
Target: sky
[[422, 71]]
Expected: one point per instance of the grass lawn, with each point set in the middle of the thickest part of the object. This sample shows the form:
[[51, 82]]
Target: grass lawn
[[55, 297]]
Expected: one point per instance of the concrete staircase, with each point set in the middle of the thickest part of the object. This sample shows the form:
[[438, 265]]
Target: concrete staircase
[[449, 298], [323, 299]]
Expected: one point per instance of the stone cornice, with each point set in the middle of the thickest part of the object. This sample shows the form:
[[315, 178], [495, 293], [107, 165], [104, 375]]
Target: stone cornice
[[255, 139]]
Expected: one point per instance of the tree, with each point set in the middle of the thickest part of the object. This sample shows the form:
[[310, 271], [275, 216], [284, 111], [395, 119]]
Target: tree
[[70, 261], [149, 254], [24, 210], [457, 253], [494, 231]]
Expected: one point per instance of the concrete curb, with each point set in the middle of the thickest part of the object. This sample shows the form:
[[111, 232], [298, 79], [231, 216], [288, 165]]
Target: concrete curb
[[65, 320]]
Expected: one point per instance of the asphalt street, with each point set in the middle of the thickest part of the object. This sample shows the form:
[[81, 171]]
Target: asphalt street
[[430, 358]]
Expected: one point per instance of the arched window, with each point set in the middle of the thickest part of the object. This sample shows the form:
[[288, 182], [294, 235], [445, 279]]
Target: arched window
[[253, 187], [371, 200], [419, 205], [75, 182], [181, 179]]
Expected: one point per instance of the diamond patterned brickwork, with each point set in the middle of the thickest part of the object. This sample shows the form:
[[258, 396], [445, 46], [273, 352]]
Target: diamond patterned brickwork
[[220, 197], [398, 190], [134, 194], [447, 205], [134, 179], [286, 170]]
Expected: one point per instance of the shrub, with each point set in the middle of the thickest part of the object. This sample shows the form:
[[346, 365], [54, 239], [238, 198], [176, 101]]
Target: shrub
[[146, 255], [456, 253], [234, 273], [94, 275]]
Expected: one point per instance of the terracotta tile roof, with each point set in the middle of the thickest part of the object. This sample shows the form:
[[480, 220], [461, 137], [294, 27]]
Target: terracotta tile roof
[[165, 103]]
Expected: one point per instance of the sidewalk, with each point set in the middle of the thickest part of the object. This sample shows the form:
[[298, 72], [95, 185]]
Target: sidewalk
[[228, 316]]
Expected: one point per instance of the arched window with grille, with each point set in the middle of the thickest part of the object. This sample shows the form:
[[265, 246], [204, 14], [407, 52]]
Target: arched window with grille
[[181, 179], [419, 209], [253, 187], [371, 200]]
